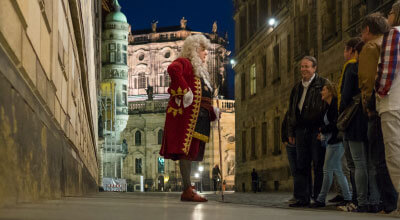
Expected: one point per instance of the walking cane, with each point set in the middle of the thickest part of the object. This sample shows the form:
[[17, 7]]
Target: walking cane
[[220, 155]]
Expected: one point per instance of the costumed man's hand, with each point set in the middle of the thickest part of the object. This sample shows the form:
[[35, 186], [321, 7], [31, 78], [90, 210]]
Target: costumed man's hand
[[188, 99], [217, 112]]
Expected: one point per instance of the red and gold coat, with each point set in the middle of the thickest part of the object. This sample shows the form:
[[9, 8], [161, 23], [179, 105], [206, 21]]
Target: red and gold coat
[[180, 141]]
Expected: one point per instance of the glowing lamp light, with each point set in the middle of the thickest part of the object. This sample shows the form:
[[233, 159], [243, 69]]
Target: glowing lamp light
[[201, 168], [196, 175], [272, 22]]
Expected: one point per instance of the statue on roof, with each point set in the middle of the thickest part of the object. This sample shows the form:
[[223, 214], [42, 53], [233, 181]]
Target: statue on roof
[[154, 25], [183, 23], [214, 27]]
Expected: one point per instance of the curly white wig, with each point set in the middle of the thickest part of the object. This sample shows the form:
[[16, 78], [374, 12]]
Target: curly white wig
[[190, 50]]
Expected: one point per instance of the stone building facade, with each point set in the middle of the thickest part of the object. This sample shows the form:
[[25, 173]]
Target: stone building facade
[[49, 74], [149, 54], [267, 68]]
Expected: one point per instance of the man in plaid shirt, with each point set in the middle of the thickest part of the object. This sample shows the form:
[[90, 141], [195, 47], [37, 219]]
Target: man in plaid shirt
[[387, 87]]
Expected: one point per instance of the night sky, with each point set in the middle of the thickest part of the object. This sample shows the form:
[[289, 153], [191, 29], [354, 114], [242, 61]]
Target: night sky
[[200, 16]]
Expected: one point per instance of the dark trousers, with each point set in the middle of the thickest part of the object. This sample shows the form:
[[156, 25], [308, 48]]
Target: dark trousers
[[308, 150], [254, 185], [215, 184], [351, 166], [376, 153], [292, 158]]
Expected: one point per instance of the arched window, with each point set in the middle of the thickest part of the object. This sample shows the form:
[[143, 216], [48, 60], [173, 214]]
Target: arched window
[[142, 81], [160, 136], [166, 79], [135, 84], [161, 81], [138, 138]]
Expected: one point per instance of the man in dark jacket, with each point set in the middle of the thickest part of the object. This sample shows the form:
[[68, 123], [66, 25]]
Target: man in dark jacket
[[306, 112]]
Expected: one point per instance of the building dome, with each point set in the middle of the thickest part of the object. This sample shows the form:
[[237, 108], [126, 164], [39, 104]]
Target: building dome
[[116, 15]]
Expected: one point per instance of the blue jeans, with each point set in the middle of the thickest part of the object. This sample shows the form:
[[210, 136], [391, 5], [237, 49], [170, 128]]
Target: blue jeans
[[333, 165], [359, 156]]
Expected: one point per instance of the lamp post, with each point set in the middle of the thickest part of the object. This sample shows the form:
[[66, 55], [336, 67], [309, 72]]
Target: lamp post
[[201, 169]]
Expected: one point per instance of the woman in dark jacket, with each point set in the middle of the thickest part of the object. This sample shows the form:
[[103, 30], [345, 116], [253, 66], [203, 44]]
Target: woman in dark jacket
[[334, 149], [356, 133]]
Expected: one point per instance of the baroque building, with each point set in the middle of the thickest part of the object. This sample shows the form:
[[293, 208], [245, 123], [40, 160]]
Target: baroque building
[[49, 75], [268, 53], [150, 52], [113, 97]]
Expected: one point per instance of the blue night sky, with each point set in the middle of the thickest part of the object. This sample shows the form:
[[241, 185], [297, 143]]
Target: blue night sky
[[200, 16]]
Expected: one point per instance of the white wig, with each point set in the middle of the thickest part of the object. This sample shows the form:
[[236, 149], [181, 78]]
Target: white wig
[[190, 50]]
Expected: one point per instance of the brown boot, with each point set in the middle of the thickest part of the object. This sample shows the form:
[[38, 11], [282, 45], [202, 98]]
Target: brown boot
[[191, 195]]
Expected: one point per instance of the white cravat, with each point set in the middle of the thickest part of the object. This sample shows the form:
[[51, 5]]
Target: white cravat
[[305, 88]]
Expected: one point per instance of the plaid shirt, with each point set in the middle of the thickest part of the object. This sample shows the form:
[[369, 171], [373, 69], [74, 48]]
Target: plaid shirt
[[389, 64]]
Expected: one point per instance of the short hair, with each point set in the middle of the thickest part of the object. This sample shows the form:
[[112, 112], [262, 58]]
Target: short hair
[[376, 22], [352, 43], [312, 59], [331, 87], [359, 46]]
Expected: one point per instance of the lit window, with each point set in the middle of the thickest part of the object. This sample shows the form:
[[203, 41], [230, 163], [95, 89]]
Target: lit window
[[253, 82]]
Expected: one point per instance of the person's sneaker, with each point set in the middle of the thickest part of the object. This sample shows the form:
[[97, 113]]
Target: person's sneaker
[[299, 204], [292, 200], [362, 208], [317, 204], [343, 203], [348, 207], [374, 209], [337, 198]]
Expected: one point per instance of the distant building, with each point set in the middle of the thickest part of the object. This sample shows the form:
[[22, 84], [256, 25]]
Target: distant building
[[113, 90], [150, 52]]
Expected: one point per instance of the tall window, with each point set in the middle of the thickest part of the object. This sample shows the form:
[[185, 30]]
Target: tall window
[[253, 81], [264, 69], [160, 136], [138, 166], [112, 57], [124, 58], [161, 81], [243, 85], [161, 165], [253, 18], [243, 27], [277, 141], [262, 12], [289, 55], [253, 143], [276, 74], [142, 81], [264, 137], [124, 99], [243, 146], [138, 138], [166, 79], [135, 84]]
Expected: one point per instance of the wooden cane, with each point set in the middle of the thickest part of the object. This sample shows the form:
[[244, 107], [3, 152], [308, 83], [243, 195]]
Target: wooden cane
[[220, 154]]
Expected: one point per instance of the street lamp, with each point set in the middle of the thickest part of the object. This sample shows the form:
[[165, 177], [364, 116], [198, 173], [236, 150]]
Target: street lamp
[[272, 22], [201, 169]]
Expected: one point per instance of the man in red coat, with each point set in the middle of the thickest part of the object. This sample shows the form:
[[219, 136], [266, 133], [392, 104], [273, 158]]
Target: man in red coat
[[189, 111]]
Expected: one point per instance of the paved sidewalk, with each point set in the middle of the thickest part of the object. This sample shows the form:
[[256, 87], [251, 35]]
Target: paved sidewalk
[[120, 206]]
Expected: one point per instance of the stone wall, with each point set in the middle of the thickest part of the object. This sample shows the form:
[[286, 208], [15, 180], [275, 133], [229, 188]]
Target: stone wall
[[48, 110]]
